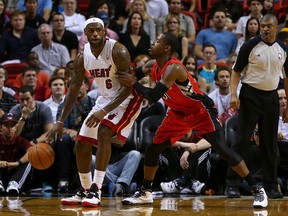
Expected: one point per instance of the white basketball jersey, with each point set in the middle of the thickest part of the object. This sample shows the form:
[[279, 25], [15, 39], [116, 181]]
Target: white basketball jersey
[[103, 69]]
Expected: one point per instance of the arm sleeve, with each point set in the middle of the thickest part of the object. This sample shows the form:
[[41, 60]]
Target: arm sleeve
[[152, 95]]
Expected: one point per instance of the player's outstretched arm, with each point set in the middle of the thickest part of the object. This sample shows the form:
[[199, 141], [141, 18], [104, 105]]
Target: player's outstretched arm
[[70, 98]]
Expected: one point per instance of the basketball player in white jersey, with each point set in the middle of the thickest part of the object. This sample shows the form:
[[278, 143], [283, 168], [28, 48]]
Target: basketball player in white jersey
[[111, 118]]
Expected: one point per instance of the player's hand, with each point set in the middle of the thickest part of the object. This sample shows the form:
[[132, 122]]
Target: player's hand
[[125, 78], [3, 164], [55, 132], [94, 119], [234, 102], [280, 136], [184, 160], [285, 116]]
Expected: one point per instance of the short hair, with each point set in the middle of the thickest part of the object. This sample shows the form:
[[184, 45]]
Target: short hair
[[16, 13], [29, 69], [172, 40], [210, 45], [25, 88], [27, 0], [53, 78], [222, 68], [269, 17], [250, 1], [43, 25], [219, 9], [57, 14]]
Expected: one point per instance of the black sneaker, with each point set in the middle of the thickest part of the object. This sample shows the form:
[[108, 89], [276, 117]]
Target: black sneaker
[[260, 197]]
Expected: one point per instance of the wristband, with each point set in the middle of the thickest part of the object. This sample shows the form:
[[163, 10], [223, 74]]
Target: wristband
[[60, 122], [20, 162], [104, 111], [23, 119]]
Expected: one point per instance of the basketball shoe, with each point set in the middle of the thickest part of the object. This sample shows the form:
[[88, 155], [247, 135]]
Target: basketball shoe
[[170, 187], [76, 199], [197, 186], [13, 187], [260, 197], [140, 197], [93, 198]]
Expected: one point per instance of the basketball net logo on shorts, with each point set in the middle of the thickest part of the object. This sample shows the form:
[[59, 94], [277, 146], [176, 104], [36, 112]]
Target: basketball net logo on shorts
[[100, 72]]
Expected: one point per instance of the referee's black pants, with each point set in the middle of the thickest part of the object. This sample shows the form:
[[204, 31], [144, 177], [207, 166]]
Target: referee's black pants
[[262, 107]]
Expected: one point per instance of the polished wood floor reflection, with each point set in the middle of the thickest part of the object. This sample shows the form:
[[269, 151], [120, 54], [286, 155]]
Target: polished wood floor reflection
[[162, 206]]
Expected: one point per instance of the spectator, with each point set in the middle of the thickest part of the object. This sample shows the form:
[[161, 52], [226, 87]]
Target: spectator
[[14, 166], [157, 9], [4, 19], [282, 127], [222, 95], [192, 164], [149, 24], [30, 79], [35, 120], [51, 55], [283, 35], [106, 6], [33, 62], [57, 87], [255, 7], [64, 148], [120, 170], [190, 62], [33, 20], [268, 7], [17, 43], [172, 25], [208, 68], [135, 38], [44, 8], [7, 101], [109, 33], [63, 36], [252, 30], [186, 22], [74, 22], [215, 36], [233, 9]]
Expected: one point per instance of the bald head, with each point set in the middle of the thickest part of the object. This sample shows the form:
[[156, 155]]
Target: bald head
[[270, 18]]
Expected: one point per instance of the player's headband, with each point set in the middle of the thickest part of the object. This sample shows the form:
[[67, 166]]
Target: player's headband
[[93, 20]]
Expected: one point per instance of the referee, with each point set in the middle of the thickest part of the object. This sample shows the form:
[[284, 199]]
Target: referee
[[260, 61]]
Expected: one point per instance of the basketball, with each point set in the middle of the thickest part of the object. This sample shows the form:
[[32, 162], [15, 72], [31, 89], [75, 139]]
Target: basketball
[[41, 156]]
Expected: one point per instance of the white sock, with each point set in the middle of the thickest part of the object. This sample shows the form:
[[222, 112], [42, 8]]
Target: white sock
[[86, 180], [99, 178]]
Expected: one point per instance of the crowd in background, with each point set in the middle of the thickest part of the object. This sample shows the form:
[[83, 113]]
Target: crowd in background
[[43, 38]]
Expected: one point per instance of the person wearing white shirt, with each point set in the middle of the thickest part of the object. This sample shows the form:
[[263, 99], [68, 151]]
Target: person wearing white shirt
[[57, 86], [74, 22]]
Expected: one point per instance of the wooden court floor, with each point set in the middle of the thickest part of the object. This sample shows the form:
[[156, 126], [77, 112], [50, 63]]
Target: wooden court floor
[[162, 206]]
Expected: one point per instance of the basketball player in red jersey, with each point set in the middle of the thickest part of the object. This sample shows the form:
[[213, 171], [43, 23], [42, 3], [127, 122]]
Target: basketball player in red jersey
[[113, 115], [189, 109]]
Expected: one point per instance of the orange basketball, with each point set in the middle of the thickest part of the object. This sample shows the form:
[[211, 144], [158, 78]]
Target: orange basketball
[[41, 156]]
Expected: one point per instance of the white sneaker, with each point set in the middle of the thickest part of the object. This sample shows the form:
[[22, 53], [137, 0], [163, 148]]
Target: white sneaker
[[170, 187], [13, 187], [93, 198], [139, 197], [76, 199], [197, 186], [2, 189], [260, 197]]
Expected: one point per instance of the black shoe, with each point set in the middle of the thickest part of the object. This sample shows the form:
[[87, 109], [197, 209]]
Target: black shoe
[[232, 192], [274, 194]]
